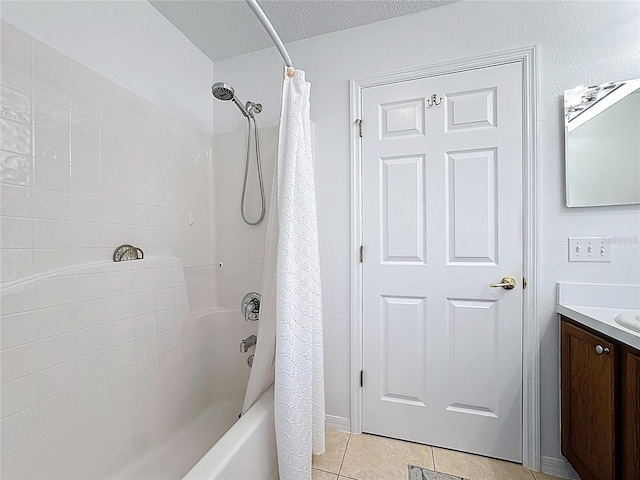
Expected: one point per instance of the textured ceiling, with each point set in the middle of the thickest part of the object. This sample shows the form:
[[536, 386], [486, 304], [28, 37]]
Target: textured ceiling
[[224, 29]]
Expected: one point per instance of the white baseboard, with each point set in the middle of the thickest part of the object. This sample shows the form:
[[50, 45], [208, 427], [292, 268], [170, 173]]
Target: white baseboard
[[559, 467], [338, 423]]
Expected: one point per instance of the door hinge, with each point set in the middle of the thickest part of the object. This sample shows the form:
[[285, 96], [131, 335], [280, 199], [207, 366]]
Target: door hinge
[[361, 253], [359, 124], [362, 378], [524, 283]]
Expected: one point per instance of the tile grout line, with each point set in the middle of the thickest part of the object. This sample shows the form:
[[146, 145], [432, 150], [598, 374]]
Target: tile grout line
[[344, 454], [433, 458]]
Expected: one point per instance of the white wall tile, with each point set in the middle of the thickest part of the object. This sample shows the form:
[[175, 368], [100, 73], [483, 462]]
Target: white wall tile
[[18, 329], [165, 298], [186, 333], [111, 236], [143, 280], [111, 139], [113, 163], [48, 146], [85, 235], [112, 114], [182, 296], [84, 130], [18, 395], [183, 315], [119, 283], [16, 169], [123, 381], [19, 428], [55, 350], [136, 192], [19, 298], [92, 366], [18, 362], [51, 62], [15, 136], [52, 118], [136, 214], [84, 182], [52, 175], [15, 264], [16, 42], [91, 313], [92, 339], [57, 379], [146, 348], [148, 370], [164, 277], [16, 201], [16, 73], [48, 260], [122, 356], [122, 331], [112, 188], [51, 234], [167, 340], [16, 105], [83, 102], [146, 325], [53, 291], [90, 287], [112, 211], [166, 319], [56, 321], [51, 205], [93, 393], [119, 308], [168, 361], [57, 409], [85, 156], [85, 209], [144, 303]]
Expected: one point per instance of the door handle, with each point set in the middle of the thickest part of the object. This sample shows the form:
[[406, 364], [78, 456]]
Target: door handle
[[507, 283]]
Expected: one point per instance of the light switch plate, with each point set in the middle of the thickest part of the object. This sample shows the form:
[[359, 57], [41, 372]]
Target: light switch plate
[[589, 249]]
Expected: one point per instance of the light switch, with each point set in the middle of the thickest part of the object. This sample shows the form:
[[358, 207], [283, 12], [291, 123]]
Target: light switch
[[590, 249]]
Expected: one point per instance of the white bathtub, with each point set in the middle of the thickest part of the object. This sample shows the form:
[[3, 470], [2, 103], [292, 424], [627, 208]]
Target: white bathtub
[[247, 451], [128, 404]]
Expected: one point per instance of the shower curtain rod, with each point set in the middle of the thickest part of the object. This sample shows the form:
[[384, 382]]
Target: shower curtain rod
[[253, 4]]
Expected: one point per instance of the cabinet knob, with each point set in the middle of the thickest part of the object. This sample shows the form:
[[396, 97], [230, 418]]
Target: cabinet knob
[[600, 349]]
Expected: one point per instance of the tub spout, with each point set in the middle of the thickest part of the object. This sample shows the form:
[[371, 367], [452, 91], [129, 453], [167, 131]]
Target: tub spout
[[247, 343]]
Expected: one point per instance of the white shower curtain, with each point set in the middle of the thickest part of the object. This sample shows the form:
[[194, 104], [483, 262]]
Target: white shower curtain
[[291, 307]]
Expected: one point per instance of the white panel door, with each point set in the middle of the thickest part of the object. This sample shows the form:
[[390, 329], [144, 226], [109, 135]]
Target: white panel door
[[442, 219]]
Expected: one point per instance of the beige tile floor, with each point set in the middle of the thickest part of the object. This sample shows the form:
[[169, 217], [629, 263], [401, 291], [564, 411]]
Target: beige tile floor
[[369, 457]]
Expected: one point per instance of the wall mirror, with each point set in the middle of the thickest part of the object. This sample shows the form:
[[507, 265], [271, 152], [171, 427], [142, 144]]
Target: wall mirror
[[602, 144]]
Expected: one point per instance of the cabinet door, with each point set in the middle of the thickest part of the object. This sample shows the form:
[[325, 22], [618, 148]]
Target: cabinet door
[[588, 403], [630, 416]]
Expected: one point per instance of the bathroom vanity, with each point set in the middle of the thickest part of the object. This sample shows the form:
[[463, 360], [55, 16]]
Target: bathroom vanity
[[600, 370]]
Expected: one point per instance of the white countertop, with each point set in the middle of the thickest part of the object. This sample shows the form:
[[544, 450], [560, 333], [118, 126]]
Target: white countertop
[[602, 319]]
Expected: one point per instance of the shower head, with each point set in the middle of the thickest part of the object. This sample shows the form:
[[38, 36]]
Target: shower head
[[224, 91]]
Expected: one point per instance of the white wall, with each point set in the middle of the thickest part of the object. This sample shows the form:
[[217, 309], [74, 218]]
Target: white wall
[[130, 43], [580, 43]]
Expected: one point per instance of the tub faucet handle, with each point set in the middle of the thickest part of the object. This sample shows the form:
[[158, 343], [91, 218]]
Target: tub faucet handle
[[247, 343]]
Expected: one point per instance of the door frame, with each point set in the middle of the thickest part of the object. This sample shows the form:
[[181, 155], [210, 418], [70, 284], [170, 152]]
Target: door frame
[[528, 58]]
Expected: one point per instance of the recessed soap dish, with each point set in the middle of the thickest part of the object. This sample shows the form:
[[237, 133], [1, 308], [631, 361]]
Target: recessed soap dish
[[126, 252]]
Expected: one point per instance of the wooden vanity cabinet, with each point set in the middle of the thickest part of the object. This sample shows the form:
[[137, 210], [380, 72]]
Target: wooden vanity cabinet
[[600, 404], [630, 415]]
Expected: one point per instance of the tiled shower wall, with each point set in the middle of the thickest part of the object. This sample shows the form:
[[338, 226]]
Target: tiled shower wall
[[240, 247], [86, 166]]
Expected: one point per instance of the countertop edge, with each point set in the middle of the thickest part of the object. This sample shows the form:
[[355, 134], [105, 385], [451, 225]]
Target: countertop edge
[[618, 334]]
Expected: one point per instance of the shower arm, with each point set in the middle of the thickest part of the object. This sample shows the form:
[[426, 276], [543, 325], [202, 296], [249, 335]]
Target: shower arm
[[253, 4]]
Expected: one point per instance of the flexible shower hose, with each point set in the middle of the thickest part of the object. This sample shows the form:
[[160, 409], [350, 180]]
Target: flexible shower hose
[[246, 170]]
